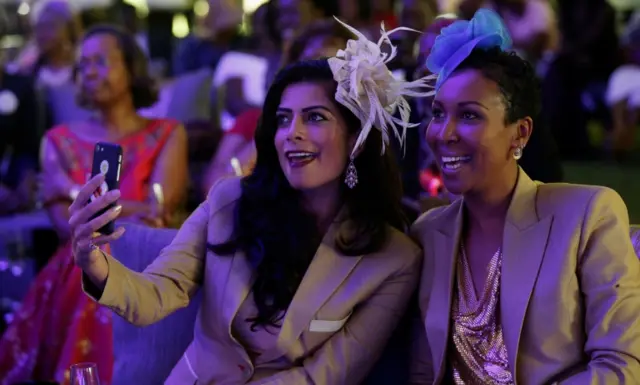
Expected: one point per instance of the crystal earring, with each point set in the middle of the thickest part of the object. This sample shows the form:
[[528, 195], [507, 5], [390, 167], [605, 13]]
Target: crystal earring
[[351, 179], [517, 153]]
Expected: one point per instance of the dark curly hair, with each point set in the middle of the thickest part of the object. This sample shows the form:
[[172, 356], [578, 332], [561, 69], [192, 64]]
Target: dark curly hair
[[278, 236], [144, 92], [515, 77]]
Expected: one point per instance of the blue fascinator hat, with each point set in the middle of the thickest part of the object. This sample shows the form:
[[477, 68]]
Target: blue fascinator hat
[[456, 42]]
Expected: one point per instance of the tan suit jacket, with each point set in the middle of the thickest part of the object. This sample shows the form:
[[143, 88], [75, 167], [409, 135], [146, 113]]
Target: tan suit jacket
[[570, 287], [334, 330]]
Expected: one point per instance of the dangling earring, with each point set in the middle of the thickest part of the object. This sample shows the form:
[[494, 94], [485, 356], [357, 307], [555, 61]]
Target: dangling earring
[[351, 179], [517, 153]]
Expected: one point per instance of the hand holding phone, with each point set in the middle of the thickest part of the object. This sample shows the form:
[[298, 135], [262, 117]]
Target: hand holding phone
[[85, 238], [107, 160]]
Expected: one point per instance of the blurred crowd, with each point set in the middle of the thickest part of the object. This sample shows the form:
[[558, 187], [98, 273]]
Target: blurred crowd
[[215, 79]]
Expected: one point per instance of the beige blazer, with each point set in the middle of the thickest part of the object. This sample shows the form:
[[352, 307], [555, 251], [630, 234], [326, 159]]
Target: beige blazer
[[570, 287], [334, 330]]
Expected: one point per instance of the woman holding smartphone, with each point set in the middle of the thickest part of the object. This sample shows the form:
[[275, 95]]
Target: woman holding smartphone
[[304, 264], [57, 325]]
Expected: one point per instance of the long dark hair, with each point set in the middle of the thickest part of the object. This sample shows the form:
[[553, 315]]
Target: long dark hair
[[280, 237]]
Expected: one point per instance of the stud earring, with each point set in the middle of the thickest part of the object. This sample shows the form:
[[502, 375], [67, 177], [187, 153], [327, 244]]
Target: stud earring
[[351, 179], [517, 153]]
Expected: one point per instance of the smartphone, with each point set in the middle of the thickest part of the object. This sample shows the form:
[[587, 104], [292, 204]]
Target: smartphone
[[107, 160]]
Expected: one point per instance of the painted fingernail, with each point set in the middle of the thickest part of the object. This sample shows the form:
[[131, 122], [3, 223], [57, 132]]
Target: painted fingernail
[[117, 209]]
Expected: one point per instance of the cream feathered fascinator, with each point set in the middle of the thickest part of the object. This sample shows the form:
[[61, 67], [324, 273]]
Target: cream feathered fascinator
[[371, 92]]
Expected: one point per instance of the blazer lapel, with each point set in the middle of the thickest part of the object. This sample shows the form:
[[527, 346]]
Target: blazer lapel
[[237, 287], [232, 275], [327, 271], [524, 243], [445, 249]]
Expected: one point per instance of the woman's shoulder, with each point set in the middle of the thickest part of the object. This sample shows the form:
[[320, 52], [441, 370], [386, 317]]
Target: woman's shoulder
[[59, 131], [554, 197], [404, 251], [154, 134], [163, 125], [440, 216], [223, 193]]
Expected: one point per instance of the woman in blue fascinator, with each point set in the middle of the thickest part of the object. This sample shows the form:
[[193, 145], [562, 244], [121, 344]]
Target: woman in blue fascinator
[[523, 282]]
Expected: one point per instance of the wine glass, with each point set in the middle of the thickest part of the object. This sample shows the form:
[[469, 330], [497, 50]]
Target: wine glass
[[85, 373]]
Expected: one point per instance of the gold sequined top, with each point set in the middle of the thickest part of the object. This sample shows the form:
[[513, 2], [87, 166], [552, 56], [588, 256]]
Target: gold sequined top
[[478, 354]]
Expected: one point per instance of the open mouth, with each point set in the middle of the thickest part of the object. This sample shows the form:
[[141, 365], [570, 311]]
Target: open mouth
[[300, 158], [453, 163]]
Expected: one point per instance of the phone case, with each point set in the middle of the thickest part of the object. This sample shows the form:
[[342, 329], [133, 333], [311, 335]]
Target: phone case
[[107, 160]]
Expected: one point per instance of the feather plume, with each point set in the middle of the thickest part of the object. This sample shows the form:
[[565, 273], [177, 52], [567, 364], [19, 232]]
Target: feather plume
[[370, 91]]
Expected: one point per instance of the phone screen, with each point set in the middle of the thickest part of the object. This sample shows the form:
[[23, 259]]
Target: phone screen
[[107, 160]]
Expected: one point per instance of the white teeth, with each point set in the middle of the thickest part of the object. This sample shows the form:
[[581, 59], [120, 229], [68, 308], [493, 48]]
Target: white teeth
[[447, 159], [299, 155], [452, 166], [454, 162]]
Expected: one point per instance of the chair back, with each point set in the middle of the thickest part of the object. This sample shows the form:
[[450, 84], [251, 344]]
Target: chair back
[[147, 355], [635, 238]]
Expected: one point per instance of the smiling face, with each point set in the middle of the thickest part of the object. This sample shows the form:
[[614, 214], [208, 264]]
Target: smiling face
[[312, 139], [468, 135], [102, 72]]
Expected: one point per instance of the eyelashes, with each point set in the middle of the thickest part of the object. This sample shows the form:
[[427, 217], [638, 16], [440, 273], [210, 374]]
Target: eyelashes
[[284, 120], [437, 113]]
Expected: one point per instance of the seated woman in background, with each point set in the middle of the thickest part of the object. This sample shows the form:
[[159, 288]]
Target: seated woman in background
[[56, 30], [304, 264], [57, 325], [522, 282], [320, 39]]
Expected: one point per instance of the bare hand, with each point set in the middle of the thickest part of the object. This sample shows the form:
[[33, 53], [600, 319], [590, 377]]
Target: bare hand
[[84, 236]]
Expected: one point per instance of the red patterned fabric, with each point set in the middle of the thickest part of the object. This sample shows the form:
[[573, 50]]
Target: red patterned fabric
[[246, 124], [57, 324]]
